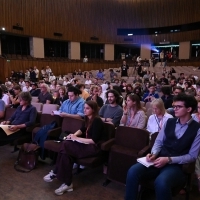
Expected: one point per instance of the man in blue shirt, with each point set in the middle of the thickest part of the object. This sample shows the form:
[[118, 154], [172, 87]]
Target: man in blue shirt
[[177, 143], [73, 107]]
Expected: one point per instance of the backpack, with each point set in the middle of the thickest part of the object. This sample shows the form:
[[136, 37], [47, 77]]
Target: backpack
[[27, 158]]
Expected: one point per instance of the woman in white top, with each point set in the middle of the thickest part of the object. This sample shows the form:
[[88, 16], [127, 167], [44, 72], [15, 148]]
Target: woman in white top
[[159, 118], [133, 115]]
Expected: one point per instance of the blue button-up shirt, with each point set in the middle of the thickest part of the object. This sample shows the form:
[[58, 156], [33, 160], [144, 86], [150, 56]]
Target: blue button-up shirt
[[73, 107]]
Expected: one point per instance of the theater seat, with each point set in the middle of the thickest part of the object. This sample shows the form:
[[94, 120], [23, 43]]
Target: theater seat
[[128, 145]]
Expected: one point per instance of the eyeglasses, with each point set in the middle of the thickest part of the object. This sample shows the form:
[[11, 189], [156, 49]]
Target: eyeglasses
[[177, 107]]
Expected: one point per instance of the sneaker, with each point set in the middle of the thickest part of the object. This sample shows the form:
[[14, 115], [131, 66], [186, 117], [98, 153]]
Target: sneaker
[[49, 177], [64, 188], [82, 167], [75, 165]]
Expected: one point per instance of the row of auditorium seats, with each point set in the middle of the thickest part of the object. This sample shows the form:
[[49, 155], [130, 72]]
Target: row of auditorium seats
[[121, 148]]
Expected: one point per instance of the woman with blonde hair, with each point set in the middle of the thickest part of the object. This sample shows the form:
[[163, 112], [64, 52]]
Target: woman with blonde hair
[[160, 116], [133, 115]]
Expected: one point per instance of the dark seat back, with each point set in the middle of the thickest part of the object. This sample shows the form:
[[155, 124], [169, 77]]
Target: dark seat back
[[72, 124], [8, 113], [131, 137], [47, 119], [109, 131]]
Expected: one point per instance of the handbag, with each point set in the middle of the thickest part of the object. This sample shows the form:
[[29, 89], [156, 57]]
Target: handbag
[[27, 158]]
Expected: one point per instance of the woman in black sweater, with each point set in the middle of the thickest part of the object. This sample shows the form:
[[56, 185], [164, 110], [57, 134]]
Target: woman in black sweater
[[78, 147]]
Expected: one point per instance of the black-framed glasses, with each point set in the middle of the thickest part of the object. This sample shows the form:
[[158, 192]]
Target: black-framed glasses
[[177, 107]]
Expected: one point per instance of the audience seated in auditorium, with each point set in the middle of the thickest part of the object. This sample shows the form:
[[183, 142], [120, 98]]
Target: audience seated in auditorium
[[24, 116], [21, 83], [113, 75], [168, 156], [94, 90], [2, 105], [167, 97], [100, 75], [123, 85], [5, 96], [45, 95], [27, 87], [150, 95], [88, 81], [159, 116], [51, 77], [14, 96], [83, 143], [8, 83], [112, 112], [73, 106], [35, 91], [84, 94], [133, 115], [53, 85]]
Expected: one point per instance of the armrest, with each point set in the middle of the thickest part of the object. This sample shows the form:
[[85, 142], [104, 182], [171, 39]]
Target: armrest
[[31, 128], [54, 133], [107, 145], [144, 151], [188, 167]]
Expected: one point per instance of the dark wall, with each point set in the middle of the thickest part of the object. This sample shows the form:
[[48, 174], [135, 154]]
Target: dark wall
[[81, 19]]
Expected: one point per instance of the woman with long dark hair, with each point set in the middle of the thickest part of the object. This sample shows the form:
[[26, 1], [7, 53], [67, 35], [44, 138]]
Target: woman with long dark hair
[[133, 115], [77, 147]]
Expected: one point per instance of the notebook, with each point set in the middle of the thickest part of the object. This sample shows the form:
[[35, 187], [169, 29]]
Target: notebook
[[144, 162]]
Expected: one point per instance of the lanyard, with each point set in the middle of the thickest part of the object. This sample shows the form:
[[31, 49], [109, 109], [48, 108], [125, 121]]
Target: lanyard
[[159, 123]]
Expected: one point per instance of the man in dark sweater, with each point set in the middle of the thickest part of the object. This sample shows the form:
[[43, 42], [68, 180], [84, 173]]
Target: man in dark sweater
[[112, 112], [177, 143]]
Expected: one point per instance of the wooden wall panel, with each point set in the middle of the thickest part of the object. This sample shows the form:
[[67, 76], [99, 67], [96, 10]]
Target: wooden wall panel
[[58, 68], [79, 20]]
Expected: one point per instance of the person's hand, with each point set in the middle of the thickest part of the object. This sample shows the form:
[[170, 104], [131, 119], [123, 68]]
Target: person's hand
[[52, 113], [63, 114], [72, 137], [125, 109], [13, 127], [5, 122], [108, 119], [150, 157], [160, 162]]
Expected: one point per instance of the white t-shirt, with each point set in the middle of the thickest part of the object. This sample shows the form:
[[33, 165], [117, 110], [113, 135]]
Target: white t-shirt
[[88, 82], [25, 89], [6, 99]]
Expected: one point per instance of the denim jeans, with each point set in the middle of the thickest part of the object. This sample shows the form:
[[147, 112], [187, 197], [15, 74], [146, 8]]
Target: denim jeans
[[165, 178]]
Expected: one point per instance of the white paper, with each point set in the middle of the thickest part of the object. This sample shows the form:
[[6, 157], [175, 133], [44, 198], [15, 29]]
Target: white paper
[[77, 141], [144, 162], [56, 112]]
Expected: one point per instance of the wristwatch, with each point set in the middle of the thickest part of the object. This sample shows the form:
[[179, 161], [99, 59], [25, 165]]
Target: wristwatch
[[169, 160]]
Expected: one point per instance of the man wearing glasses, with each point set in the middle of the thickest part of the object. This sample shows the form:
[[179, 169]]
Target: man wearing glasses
[[177, 143]]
